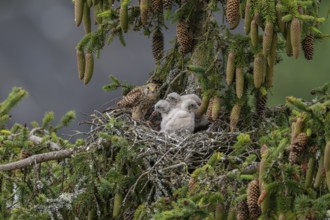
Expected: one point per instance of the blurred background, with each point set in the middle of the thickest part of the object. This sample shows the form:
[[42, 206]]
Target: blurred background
[[37, 52]]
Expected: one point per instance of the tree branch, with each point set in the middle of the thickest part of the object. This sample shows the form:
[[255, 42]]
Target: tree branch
[[37, 158], [37, 140]]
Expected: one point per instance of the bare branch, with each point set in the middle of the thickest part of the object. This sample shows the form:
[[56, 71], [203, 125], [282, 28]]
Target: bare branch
[[37, 140], [37, 158]]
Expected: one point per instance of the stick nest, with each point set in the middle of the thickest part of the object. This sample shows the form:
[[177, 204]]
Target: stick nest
[[166, 161]]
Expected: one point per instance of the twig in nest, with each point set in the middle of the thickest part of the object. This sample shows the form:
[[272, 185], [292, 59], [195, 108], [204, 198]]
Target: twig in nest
[[172, 82]]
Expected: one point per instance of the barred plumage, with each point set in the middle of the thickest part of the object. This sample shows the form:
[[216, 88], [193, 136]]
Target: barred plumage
[[139, 100]]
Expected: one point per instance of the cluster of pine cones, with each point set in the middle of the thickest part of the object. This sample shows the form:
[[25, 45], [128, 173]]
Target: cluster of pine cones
[[290, 26], [271, 22], [299, 141]]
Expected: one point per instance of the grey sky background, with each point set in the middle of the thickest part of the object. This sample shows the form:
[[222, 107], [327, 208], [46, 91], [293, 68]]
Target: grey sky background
[[37, 52]]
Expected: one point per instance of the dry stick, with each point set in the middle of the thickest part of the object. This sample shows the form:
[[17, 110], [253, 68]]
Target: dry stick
[[37, 158], [171, 83]]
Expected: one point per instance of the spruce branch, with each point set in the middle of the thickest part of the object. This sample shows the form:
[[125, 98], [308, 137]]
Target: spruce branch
[[38, 140], [16, 95], [38, 158]]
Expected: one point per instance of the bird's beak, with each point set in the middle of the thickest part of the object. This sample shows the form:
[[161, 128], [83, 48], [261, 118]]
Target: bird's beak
[[153, 90]]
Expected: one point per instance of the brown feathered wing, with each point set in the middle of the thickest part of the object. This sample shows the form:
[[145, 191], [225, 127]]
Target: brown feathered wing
[[132, 98]]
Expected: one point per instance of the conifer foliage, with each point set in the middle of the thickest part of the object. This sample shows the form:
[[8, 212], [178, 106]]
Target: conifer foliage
[[252, 163]]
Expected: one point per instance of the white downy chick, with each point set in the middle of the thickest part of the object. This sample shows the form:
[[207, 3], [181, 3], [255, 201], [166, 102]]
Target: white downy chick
[[193, 97], [183, 119], [164, 108], [174, 99]]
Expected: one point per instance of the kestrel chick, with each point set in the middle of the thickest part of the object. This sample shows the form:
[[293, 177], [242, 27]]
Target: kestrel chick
[[183, 119], [193, 97], [163, 107], [174, 99], [139, 100]]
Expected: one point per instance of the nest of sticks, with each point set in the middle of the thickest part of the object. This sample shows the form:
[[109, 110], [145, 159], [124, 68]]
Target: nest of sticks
[[167, 160]]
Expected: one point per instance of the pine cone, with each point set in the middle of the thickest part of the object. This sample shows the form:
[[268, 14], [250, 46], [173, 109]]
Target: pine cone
[[258, 19], [271, 59], [296, 148], [184, 37], [80, 63], [253, 193], [232, 13], [259, 70], [261, 101], [267, 38], [191, 184], [209, 110], [157, 6], [230, 68], [234, 116], [301, 139], [293, 157], [239, 82], [144, 10], [308, 46], [313, 149], [24, 154], [167, 4], [247, 17], [87, 19], [123, 17], [89, 67], [157, 45], [295, 30], [254, 33], [78, 11], [242, 210]]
